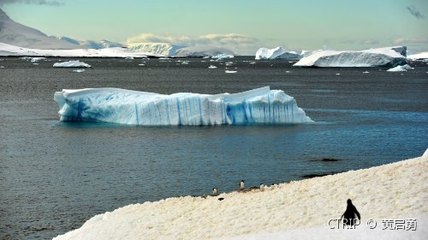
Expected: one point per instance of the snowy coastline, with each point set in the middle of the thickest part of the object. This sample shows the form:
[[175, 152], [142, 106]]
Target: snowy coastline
[[295, 210]]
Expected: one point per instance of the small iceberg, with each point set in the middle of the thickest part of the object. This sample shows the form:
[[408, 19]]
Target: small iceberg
[[230, 71], [402, 68], [79, 70], [114, 105], [72, 64], [277, 53], [212, 67], [378, 57]]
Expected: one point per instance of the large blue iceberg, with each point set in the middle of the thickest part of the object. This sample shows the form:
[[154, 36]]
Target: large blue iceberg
[[114, 105]]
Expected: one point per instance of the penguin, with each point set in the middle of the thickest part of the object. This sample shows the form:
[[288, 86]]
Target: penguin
[[241, 185], [262, 187], [214, 192]]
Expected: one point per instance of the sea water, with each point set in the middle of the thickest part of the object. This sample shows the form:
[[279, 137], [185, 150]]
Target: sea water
[[54, 175]]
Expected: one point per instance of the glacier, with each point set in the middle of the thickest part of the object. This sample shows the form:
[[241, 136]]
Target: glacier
[[377, 57], [114, 105], [277, 53], [7, 50]]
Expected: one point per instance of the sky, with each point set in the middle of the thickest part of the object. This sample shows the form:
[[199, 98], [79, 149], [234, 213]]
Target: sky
[[242, 25]]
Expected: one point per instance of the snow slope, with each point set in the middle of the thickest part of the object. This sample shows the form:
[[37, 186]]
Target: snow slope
[[295, 210], [391, 56], [278, 52], [17, 34], [10, 50], [113, 105]]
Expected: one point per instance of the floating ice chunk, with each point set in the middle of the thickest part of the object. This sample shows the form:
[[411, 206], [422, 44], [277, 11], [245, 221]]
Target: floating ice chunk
[[78, 70], [212, 67], [230, 71], [113, 105], [278, 52], [222, 56], [366, 58], [71, 64], [36, 59], [366, 72], [402, 68]]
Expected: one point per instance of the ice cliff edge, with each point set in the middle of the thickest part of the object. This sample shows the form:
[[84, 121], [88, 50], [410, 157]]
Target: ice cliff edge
[[114, 105]]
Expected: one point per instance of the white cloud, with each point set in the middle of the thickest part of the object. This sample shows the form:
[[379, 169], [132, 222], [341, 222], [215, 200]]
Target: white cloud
[[236, 42]]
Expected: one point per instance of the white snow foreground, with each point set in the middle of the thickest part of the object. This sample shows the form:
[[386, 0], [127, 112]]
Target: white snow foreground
[[400, 68], [378, 57], [278, 52], [113, 105], [11, 50], [71, 64], [295, 210]]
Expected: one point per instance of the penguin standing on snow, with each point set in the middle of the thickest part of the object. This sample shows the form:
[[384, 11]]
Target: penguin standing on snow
[[351, 214], [215, 192], [241, 185]]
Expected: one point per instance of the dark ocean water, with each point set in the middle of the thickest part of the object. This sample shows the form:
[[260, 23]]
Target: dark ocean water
[[54, 176]]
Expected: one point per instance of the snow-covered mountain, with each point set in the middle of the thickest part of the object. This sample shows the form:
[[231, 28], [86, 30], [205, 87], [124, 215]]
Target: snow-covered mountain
[[91, 44], [17, 34]]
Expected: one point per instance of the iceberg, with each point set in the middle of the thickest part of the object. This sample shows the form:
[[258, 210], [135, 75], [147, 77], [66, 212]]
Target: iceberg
[[155, 49], [204, 51], [419, 56], [72, 64], [114, 105], [400, 68], [278, 52], [378, 57]]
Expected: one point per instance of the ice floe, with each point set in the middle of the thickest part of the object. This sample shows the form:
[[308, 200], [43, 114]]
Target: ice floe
[[71, 64]]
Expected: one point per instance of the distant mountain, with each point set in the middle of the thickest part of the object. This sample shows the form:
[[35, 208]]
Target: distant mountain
[[17, 34], [91, 44]]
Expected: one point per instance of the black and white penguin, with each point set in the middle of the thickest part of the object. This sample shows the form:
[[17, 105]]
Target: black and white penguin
[[241, 185]]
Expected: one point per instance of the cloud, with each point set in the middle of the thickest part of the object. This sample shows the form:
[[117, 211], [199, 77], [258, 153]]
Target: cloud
[[35, 2], [233, 41], [415, 12]]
